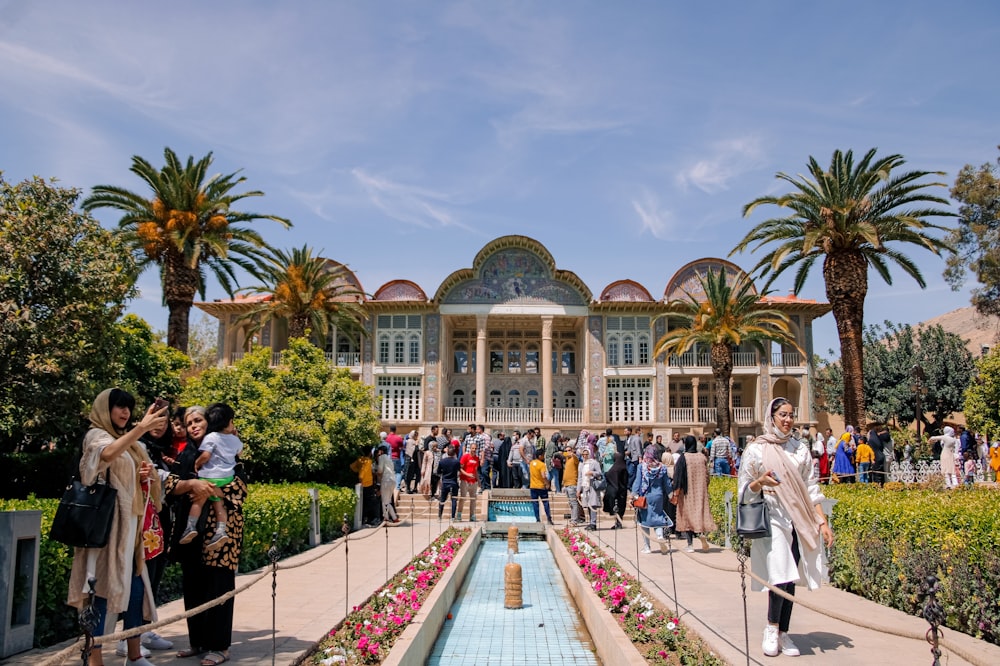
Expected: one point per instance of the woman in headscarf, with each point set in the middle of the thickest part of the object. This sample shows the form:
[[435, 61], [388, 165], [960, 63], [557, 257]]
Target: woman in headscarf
[[113, 452], [587, 494], [385, 472], [781, 468], [691, 489], [949, 454], [616, 494], [843, 461], [653, 483]]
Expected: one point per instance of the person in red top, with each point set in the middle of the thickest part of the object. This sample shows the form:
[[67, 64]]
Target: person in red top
[[468, 476], [395, 443]]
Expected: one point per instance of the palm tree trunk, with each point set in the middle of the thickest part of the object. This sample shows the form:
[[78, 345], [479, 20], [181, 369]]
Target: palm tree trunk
[[722, 369], [180, 284], [846, 276]]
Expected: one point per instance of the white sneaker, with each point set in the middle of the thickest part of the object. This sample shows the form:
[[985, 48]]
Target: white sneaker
[[689, 549], [154, 641], [141, 661], [770, 642], [788, 648], [646, 550], [122, 650]]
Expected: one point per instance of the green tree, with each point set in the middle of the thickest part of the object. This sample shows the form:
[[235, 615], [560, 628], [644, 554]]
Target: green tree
[[309, 292], [725, 316], [63, 283], [146, 367], [203, 344], [302, 420], [976, 238], [186, 226], [982, 397], [889, 356], [852, 216]]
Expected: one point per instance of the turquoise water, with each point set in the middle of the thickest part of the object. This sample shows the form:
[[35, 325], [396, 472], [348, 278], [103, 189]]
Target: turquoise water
[[547, 631]]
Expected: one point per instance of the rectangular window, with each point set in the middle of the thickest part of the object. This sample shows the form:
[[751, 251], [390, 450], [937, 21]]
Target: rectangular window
[[414, 350], [399, 398], [383, 351], [630, 399], [400, 339], [398, 349], [643, 351]]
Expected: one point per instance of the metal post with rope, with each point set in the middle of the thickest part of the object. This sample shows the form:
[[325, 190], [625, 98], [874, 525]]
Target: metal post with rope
[[272, 554], [88, 621]]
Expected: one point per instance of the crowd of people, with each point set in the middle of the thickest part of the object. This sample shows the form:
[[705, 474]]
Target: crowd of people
[[183, 467]]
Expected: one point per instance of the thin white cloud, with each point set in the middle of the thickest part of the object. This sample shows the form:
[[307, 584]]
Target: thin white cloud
[[407, 203], [726, 160], [655, 220]]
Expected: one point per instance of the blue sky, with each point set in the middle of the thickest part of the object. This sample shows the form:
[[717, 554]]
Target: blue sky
[[401, 137]]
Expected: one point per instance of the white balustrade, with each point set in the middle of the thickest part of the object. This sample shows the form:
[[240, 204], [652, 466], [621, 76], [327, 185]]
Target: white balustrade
[[682, 415], [708, 414], [567, 415], [743, 414]]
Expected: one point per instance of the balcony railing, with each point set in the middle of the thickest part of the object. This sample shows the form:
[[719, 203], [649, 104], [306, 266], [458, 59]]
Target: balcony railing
[[460, 414], [708, 414], [344, 359], [567, 415], [514, 415], [744, 359], [743, 414], [690, 360], [682, 414], [786, 359]]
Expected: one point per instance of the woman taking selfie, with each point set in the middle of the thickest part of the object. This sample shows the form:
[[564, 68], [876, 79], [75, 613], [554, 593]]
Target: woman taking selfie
[[780, 467]]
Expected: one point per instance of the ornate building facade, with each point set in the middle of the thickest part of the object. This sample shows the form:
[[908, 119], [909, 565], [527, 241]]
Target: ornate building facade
[[515, 341]]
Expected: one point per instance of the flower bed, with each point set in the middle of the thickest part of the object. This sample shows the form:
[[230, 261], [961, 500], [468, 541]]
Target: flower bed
[[654, 632], [367, 634]]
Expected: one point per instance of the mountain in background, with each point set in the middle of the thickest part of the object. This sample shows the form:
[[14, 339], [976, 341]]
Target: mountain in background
[[979, 331]]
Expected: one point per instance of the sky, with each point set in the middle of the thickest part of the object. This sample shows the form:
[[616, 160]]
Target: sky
[[400, 137]]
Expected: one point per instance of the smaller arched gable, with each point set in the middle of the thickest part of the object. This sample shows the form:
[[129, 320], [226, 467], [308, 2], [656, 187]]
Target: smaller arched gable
[[400, 290], [687, 280], [347, 279], [625, 291]]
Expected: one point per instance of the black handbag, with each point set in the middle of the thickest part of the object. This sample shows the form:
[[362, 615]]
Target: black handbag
[[85, 514], [753, 520]]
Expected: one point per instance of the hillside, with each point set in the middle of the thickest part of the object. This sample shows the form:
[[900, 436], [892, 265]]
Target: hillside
[[977, 330]]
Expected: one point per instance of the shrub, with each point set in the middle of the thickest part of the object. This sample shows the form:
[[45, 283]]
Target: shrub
[[889, 540], [281, 509]]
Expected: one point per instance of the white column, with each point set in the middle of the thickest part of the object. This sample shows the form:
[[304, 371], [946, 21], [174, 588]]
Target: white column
[[547, 369], [694, 397], [482, 367]]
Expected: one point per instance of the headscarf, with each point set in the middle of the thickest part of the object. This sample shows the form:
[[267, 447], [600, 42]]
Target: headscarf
[[100, 418], [680, 468], [949, 431], [649, 453], [651, 472], [792, 492], [617, 467]]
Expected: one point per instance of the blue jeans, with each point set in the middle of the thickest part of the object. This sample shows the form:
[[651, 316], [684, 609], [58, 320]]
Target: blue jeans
[[397, 466], [543, 495], [631, 466], [720, 467], [556, 475], [863, 472], [133, 614]]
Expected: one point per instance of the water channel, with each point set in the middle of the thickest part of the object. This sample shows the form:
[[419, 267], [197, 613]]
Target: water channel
[[546, 631]]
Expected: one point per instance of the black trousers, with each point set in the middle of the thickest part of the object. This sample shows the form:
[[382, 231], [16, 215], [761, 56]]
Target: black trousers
[[213, 629], [779, 609]]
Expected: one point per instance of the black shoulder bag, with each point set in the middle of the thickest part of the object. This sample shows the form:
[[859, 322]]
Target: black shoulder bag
[[753, 520], [85, 514]]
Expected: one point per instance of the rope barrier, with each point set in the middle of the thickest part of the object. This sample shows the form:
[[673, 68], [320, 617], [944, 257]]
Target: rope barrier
[[60, 657]]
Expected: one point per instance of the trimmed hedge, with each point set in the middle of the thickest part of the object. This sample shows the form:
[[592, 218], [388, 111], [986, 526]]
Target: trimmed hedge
[[889, 540], [269, 509]]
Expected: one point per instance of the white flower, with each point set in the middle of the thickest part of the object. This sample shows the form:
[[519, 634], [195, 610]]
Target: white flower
[[671, 626]]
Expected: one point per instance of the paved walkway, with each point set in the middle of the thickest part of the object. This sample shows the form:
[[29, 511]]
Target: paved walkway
[[311, 600]]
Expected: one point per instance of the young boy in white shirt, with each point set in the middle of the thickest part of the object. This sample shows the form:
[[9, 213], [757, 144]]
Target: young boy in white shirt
[[216, 463]]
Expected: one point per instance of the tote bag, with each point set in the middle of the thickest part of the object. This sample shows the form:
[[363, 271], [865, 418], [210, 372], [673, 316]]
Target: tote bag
[[83, 518], [753, 520]]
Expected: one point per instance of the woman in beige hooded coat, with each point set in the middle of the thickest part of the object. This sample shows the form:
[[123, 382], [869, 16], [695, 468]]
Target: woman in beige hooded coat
[[114, 453]]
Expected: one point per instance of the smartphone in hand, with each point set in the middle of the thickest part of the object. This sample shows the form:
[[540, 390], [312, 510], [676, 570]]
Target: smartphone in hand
[[160, 403], [774, 475]]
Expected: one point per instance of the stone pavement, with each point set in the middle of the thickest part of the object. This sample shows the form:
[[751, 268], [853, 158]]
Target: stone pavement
[[711, 603], [311, 600]]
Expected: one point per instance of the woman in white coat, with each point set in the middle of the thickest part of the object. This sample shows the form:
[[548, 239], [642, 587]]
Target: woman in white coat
[[781, 468], [950, 446], [385, 472], [588, 495]]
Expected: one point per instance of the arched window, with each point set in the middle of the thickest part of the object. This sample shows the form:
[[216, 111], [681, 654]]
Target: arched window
[[531, 399], [398, 349], [383, 349], [613, 350], [569, 400], [531, 359], [568, 365], [496, 359], [461, 360], [643, 350], [628, 350], [496, 398], [458, 398], [414, 344], [514, 398]]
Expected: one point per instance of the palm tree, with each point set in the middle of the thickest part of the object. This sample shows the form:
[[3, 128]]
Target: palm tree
[[309, 292], [848, 215], [723, 316], [186, 225]]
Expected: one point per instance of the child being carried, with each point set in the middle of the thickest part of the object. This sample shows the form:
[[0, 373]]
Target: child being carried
[[216, 463]]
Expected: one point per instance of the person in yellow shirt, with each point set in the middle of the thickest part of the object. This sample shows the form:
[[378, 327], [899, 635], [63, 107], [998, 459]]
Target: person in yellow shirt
[[369, 494], [571, 468], [538, 476], [995, 459], [864, 457]]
